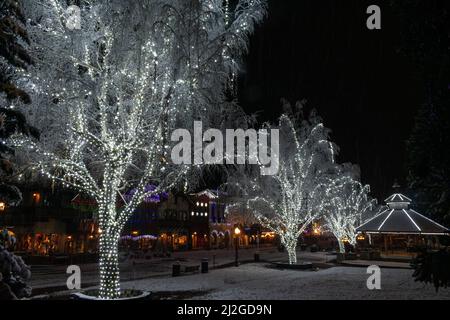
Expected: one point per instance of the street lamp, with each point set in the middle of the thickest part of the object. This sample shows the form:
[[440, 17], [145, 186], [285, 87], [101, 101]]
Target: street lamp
[[258, 235], [237, 232], [2, 208]]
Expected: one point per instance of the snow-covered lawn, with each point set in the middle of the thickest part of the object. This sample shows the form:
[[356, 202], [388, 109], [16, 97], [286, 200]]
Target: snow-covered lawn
[[56, 276], [255, 281]]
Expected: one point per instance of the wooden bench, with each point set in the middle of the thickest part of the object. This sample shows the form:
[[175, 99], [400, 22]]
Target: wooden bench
[[191, 269], [178, 269]]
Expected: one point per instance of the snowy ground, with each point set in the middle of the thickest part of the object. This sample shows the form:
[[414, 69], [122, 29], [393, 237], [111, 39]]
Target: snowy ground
[[52, 276], [252, 280], [256, 281]]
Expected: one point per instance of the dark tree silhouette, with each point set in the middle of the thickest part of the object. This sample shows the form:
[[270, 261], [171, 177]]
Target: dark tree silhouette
[[14, 56], [425, 33]]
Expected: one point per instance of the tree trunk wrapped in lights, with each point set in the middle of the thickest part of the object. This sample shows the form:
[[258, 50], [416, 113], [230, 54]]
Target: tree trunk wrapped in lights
[[110, 93], [346, 203], [109, 264]]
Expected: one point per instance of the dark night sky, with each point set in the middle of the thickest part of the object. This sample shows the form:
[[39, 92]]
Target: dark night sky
[[367, 93]]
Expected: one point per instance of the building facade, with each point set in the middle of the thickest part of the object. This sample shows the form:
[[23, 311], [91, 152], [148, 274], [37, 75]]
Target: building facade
[[51, 223], [167, 224], [213, 204]]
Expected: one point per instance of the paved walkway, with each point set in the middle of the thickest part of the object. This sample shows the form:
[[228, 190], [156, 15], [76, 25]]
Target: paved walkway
[[258, 281], [381, 264], [46, 279]]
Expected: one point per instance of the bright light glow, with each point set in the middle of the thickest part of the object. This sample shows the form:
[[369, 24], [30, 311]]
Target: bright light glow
[[345, 200], [412, 220], [288, 202], [434, 222], [386, 219], [109, 95]]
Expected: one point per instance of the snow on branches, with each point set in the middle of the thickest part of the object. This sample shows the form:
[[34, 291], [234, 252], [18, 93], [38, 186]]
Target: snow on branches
[[288, 201], [345, 205], [108, 96], [309, 186]]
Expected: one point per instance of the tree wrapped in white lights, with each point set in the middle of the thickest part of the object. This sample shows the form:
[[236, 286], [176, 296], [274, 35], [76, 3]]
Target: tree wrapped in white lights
[[346, 203], [110, 93], [288, 202]]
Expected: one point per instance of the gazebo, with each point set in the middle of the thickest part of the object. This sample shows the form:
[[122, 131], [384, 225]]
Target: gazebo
[[401, 227]]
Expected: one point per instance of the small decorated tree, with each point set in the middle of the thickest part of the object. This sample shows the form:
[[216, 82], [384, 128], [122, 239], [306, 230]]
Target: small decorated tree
[[345, 205], [287, 202]]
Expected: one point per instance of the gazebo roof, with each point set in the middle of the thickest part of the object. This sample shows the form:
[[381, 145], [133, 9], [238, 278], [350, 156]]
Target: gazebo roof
[[398, 218], [397, 197]]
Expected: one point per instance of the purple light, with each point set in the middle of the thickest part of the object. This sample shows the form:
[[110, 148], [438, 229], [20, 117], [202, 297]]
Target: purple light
[[144, 236]]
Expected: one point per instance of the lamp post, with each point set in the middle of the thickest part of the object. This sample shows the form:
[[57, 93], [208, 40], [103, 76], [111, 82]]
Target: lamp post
[[258, 235], [237, 232], [2, 213]]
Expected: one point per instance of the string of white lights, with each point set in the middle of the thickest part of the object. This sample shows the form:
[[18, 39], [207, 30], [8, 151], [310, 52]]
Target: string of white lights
[[288, 202], [344, 203], [107, 96]]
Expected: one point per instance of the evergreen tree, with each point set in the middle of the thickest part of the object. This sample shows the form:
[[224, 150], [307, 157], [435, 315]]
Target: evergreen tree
[[428, 159], [13, 56], [425, 40]]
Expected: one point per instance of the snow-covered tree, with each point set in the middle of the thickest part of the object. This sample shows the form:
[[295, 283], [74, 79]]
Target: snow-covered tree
[[13, 57], [346, 204], [110, 93], [14, 273], [238, 214], [288, 201]]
